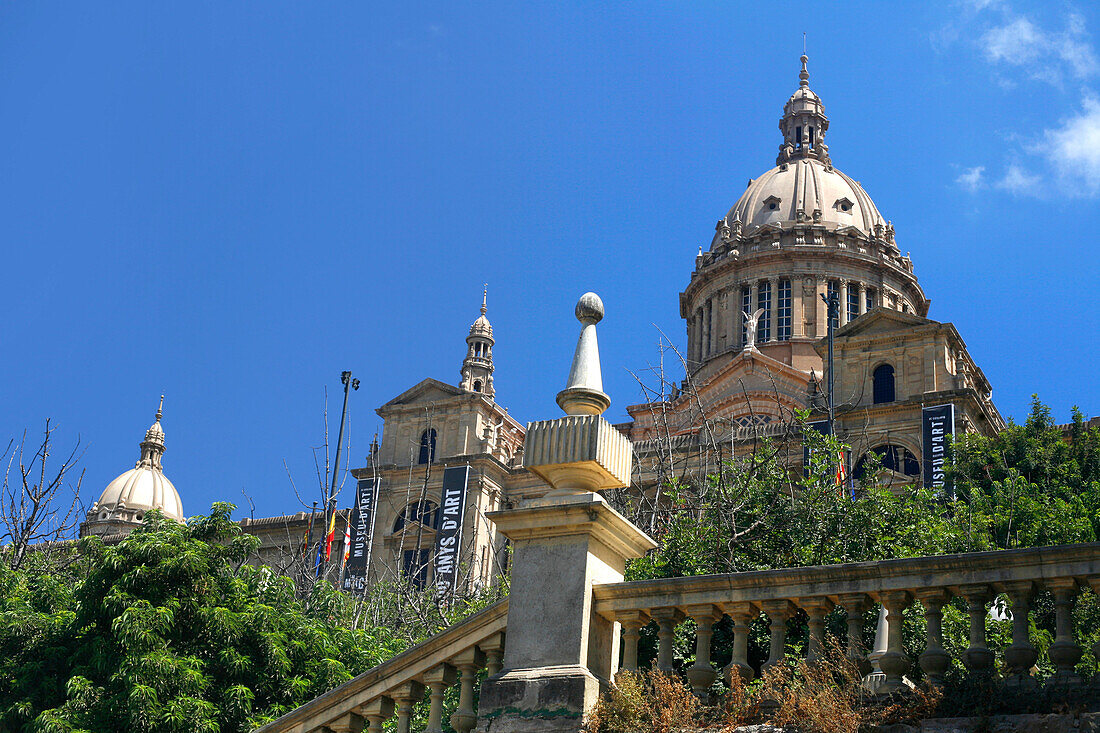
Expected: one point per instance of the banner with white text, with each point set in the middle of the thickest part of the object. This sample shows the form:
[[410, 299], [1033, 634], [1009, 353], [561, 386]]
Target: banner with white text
[[362, 534], [938, 426], [448, 539]]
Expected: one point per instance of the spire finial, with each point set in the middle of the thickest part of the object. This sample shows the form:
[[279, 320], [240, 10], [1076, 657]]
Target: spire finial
[[160, 409], [804, 76], [584, 394], [484, 297]]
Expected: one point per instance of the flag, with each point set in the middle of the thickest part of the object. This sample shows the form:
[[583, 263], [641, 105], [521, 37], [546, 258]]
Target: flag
[[841, 471], [347, 546], [331, 536]]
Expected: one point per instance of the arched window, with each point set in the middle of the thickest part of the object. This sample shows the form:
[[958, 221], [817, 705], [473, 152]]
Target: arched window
[[883, 379], [477, 385], [890, 457], [427, 447], [424, 512]]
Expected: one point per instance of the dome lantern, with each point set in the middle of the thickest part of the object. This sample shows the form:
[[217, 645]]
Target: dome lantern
[[803, 123]]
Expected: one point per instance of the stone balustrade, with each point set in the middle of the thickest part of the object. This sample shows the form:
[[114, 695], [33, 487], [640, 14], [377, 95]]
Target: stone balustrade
[[454, 656], [976, 578]]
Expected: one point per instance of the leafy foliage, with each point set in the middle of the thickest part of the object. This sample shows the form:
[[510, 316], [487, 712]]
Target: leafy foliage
[[169, 630]]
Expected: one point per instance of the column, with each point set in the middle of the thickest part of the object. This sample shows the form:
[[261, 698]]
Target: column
[[632, 624], [894, 663], [438, 680], [843, 293], [855, 604], [406, 696], [797, 326], [666, 619], [468, 663], [862, 298], [934, 660], [978, 657], [705, 341], [741, 614], [816, 608], [778, 613], [773, 309], [1064, 652], [701, 674], [821, 322], [1021, 655], [376, 712]]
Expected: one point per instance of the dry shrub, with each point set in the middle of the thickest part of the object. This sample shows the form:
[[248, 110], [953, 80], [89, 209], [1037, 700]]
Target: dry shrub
[[644, 702], [824, 696]]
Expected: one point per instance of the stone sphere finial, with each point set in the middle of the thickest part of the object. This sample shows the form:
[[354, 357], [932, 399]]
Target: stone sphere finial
[[589, 309]]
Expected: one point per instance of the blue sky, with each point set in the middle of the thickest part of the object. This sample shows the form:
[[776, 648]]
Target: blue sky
[[229, 203]]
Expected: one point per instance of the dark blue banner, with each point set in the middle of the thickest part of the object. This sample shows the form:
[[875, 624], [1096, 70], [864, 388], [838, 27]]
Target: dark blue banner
[[938, 425], [448, 540]]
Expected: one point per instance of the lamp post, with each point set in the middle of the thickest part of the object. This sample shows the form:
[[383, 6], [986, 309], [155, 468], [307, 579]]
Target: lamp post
[[330, 503]]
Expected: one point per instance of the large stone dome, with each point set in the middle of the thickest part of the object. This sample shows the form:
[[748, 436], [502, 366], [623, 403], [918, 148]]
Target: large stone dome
[[139, 490], [804, 191]]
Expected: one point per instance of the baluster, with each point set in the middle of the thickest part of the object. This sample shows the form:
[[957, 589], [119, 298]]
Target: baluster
[[855, 604], [632, 623], [741, 614], [894, 663], [438, 680], [934, 660], [1064, 652], [778, 612], [978, 657], [701, 674], [816, 608], [377, 711], [493, 647], [346, 723], [1021, 655], [666, 619], [406, 696], [468, 663]]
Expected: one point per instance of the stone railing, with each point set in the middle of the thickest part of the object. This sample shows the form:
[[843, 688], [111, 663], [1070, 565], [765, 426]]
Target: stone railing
[[895, 584], [457, 654]]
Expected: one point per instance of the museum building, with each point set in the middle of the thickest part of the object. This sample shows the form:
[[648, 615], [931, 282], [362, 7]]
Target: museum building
[[757, 324]]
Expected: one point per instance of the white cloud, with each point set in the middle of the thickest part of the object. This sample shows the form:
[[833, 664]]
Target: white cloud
[[1043, 55], [1073, 150], [972, 178], [1019, 181]]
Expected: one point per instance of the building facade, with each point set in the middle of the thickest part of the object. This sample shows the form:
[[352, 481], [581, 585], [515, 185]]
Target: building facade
[[756, 321]]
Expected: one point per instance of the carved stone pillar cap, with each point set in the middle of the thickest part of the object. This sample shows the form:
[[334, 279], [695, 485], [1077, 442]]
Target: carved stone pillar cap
[[577, 454], [584, 394]]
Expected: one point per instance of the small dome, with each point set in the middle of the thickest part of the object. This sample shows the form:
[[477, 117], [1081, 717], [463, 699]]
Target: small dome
[[139, 490], [143, 487], [481, 327], [791, 193]]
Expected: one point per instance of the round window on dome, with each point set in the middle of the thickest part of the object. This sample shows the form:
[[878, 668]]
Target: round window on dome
[[845, 207], [773, 206]]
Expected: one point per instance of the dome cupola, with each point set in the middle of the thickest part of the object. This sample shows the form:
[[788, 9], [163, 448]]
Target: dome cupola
[[803, 123], [477, 367], [124, 503]]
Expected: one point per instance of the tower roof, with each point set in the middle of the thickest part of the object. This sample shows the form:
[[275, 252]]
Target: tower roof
[[481, 327]]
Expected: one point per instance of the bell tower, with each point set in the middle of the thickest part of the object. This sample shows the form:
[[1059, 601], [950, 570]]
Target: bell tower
[[477, 367]]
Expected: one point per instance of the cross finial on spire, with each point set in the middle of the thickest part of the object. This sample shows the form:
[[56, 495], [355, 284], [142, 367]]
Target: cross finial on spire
[[160, 409], [484, 297]]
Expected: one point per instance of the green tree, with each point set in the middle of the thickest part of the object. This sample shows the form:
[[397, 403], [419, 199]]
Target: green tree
[[169, 630]]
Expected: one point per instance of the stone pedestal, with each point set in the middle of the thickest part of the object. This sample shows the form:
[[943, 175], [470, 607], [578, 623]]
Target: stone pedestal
[[559, 653]]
